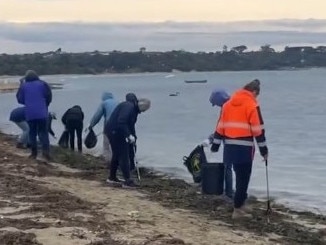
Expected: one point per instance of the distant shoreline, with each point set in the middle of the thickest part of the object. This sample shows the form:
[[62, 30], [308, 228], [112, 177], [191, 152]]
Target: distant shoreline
[[13, 86]]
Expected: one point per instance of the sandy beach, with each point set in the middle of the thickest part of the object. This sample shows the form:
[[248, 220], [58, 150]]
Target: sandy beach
[[67, 202]]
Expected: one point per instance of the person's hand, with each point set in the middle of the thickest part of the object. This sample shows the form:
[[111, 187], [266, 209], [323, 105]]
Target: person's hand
[[215, 147], [205, 143], [265, 157], [88, 129], [131, 139]]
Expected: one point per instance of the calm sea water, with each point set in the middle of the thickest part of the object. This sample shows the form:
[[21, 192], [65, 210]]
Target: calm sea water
[[293, 107]]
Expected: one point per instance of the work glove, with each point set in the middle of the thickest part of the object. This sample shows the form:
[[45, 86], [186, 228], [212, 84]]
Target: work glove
[[215, 147], [206, 143], [131, 139], [264, 152]]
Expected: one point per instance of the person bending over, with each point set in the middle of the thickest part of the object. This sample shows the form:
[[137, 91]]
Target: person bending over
[[73, 120]]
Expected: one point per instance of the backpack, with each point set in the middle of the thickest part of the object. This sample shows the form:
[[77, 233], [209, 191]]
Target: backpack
[[91, 139], [194, 161]]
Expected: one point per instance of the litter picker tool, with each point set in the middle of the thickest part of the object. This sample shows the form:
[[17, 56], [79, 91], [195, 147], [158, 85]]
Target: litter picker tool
[[268, 209], [136, 162]]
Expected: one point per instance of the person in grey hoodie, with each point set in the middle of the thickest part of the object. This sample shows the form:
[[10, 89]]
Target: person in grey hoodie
[[104, 110]]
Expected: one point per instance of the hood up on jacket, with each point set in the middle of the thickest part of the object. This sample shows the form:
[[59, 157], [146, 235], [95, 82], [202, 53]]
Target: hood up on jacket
[[131, 97], [31, 76], [242, 97], [106, 96], [218, 97]]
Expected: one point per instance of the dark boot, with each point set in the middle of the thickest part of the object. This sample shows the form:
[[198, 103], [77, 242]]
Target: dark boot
[[47, 156]]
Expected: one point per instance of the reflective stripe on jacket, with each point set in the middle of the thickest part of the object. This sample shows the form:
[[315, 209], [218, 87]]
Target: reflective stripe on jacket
[[240, 122]]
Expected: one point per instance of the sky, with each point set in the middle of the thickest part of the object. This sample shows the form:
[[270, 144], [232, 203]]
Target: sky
[[158, 10], [28, 26]]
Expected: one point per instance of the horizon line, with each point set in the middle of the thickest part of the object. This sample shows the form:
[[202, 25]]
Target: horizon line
[[162, 21]]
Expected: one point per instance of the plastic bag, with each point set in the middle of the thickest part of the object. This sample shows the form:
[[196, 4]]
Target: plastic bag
[[63, 140], [91, 139], [194, 162]]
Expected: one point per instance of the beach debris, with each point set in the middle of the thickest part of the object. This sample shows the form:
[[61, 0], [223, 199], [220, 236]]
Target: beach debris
[[133, 214]]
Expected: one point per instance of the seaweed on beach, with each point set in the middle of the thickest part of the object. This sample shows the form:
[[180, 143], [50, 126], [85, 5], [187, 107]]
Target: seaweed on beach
[[289, 226]]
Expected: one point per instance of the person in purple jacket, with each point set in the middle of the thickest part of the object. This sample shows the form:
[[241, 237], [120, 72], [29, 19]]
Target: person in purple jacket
[[36, 95]]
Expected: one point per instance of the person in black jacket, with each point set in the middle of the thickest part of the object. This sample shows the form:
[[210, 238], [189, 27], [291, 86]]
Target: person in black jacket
[[120, 129], [73, 120]]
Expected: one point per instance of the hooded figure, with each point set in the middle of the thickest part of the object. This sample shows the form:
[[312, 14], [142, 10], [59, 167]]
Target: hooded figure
[[120, 129], [73, 120], [36, 95], [218, 97], [104, 110]]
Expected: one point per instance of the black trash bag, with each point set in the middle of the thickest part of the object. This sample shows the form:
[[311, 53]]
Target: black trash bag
[[91, 139], [194, 162], [64, 139]]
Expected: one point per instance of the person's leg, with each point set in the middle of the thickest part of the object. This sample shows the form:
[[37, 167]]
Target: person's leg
[[228, 180], [44, 136], [107, 151], [79, 132], [23, 139], [33, 137], [71, 129], [243, 173], [115, 158], [132, 157], [124, 158]]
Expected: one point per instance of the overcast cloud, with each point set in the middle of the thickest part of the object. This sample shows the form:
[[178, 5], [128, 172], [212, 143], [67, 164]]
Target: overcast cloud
[[195, 36]]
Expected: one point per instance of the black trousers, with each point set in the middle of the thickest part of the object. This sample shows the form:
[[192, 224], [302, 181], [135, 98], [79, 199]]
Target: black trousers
[[242, 178], [75, 126], [38, 127], [120, 155]]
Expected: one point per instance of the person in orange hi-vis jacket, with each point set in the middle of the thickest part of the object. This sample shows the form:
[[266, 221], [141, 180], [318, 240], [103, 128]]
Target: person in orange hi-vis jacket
[[239, 124]]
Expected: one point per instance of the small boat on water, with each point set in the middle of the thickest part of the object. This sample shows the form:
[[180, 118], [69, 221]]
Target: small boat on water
[[195, 81], [174, 94]]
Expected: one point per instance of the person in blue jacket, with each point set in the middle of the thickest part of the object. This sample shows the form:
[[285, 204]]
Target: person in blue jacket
[[36, 95], [217, 98], [120, 129], [104, 110]]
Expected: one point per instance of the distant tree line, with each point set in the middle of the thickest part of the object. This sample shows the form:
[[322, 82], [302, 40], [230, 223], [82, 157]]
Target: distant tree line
[[96, 62]]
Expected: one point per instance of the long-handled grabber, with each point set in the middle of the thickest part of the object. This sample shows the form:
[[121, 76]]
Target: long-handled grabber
[[136, 162], [269, 209]]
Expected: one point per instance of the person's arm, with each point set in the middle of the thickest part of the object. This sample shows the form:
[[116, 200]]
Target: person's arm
[[258, 131], [47, 93], [124, 119], [133, 124], [97, 116], [64, 118], [218, 134], [20, 95], [50, 130]]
